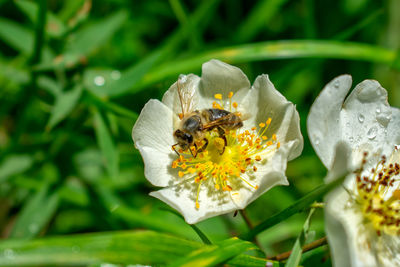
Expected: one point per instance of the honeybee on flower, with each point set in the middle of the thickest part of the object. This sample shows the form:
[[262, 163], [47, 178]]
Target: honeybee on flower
[[222, 149]]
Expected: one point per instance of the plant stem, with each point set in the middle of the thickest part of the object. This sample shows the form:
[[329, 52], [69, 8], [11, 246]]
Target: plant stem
[[308, 247], [297, 207]]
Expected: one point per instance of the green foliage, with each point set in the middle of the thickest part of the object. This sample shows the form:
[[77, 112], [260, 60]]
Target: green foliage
[[74, 75]]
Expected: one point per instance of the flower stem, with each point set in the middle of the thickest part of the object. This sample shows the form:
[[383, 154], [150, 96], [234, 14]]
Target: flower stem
[[308, 247], [297, 207]]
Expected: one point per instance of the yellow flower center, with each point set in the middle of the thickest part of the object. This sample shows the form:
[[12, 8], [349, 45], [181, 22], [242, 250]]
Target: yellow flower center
[[378, 196], [225, 165]]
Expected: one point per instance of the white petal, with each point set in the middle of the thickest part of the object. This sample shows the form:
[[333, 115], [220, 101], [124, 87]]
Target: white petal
[[153, 136], [268, 175], [183, 199], [222, 78], [366, 115], [349, 240], [393, 131], [264, 102], [323, 120]]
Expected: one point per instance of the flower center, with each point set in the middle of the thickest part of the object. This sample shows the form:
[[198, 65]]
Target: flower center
[[378, 195], [225, 166]]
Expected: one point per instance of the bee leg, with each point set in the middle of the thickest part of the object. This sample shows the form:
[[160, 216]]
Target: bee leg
[[173, 148], [204, 146], [191, 151], [221, 133]]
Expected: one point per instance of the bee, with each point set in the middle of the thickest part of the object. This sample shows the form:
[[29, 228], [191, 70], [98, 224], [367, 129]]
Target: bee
[[195, 123]]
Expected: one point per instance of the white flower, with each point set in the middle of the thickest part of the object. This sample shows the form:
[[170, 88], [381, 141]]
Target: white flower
[[253, 161], [362, 216]]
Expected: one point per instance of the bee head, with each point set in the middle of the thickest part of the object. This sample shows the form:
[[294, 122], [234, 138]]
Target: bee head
[[184, 139]]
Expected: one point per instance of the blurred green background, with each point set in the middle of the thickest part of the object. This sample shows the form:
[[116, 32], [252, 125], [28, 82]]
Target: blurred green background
[[75, 74]]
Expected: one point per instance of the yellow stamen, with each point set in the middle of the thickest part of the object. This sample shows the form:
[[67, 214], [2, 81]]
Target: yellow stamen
[[218, 96]]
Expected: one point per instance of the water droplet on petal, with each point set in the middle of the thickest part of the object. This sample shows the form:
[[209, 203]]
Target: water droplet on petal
[[361, 118], [378, 110], [316, 141], [115, 75], [336, 84], [99, 80], [182, 78], [371, 134]]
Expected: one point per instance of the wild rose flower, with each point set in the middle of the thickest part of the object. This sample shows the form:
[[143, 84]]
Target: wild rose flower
[[219, 179], [362, 216]]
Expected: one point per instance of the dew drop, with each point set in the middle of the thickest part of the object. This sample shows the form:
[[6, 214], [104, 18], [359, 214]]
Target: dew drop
[[361, 118], [336, 84], [115, 75], [182, 78], [99, 80], [316, 141], [351, 139], [371, 134], [378, 110]]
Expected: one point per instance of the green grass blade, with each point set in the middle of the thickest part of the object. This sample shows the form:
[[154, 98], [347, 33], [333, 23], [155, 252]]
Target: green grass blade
[[134, 216], [65, 103], [16, 36], [123, 247], [270, 51], [13, 165], [214, 255], [202, 236], [54, 26], [295, 256], [92, 36], [297, 207], [251, 261], [259, 17], [106, 144], [134, 74], [36, 214]]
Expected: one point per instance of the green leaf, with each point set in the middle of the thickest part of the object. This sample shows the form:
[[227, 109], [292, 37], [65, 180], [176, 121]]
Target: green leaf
[[214, 255], [299, 206], [16, 36], [106, 144], [251, 261], [295, 256], [259, 17], [13, 165], [54, 26], [123, 247], [12, 73], [35, 215], [86, 40], [269, 51], [134, 74], [64, 105]]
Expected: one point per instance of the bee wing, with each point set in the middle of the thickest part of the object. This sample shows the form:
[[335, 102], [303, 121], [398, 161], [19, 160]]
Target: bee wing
[[186, 95], [225, 120]]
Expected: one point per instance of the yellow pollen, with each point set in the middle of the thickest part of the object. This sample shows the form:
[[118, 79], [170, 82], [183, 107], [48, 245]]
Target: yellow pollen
[[223, 164], [180, 115], [230, 94], [268, 122], [218, 96], [234, 104], [378, 200]]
